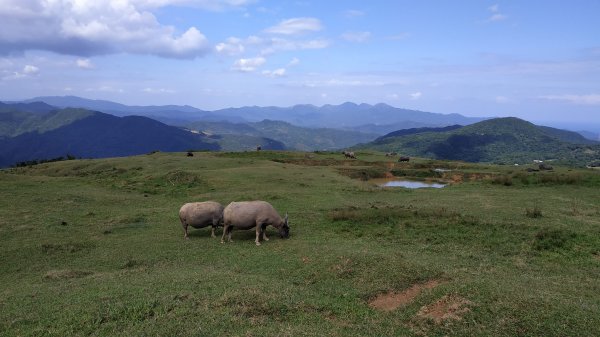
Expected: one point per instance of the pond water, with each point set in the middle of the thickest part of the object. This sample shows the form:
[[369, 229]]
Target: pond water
[[406, 183]]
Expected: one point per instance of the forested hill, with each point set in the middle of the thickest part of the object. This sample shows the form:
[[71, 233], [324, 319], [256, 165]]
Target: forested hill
[[502, 140]]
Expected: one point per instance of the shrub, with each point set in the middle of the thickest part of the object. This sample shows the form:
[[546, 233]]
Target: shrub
[[534, 212], [503, 180], [552, 239]]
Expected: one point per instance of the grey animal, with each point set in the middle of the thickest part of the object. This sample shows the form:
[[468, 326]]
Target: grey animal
[[253, 214], [201, 214], [348, 154], [401, 159], [391, 154]]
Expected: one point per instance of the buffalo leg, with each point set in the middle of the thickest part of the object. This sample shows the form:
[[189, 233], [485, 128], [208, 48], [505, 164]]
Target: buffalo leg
[[185, 232], [229, 230], [225, 229], [258, 231], [263, 230]]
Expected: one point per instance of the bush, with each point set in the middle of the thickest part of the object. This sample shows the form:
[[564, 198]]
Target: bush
[[534, 212], [552, 239], [503, 180]]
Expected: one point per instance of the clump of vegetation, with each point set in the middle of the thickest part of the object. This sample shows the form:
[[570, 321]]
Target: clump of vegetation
[[534, 212], [552, 239], [503, 180], [27, 163], [364, 173]]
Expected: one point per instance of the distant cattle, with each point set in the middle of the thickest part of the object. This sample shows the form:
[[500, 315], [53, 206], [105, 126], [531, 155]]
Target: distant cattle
[[348, 154], [190, 154], [391, 154], [545, 167], [403, 158], [258, 147]]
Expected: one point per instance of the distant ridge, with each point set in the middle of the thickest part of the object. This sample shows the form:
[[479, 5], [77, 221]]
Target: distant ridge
[[101, 135], [412, 131], [347, 115], [500, 140]]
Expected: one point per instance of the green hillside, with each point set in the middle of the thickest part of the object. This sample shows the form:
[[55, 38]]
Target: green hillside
[[95, 247], [294, 137], [502, 140], [17, 119]]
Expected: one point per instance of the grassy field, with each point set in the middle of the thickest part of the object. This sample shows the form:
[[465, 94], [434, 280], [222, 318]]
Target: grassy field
[[95, 247]]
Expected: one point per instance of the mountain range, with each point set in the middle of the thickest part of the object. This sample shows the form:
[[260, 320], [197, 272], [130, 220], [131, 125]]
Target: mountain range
[[501, 140], [375, 119], [33, 130]]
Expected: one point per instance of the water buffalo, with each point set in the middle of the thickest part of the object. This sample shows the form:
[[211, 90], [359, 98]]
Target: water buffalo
[[201, 214], [403, 158], [253, 214], [349, 154]]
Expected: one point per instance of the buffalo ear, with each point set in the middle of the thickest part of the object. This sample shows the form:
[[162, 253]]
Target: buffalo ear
[[286, 219]]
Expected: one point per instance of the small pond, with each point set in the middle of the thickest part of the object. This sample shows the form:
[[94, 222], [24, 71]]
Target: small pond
[[406, 183]]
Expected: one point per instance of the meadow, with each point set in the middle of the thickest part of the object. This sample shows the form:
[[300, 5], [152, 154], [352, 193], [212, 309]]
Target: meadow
[[95, 248]]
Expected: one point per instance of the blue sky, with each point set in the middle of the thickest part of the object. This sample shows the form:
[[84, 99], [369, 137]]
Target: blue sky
[[538, 60]]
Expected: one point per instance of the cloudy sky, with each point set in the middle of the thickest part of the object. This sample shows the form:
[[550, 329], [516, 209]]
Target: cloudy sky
[[535, 59]]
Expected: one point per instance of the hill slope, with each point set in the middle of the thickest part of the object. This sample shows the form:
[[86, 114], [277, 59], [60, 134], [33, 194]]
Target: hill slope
[[505, 140], [101, 135], [19, 118], [294, 137]]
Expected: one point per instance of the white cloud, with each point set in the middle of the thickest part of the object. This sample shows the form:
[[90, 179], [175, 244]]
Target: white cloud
[[591, 99], [84, 63], [496, 15], [502, 99], [158, 91], [294, 62], [296, 26], [249, 64], [84, 28], [415, 95], [27, 71], [267, 45], [106, 88], [353, 13], [274, 73], [30, 70], [212, 5], [231, 46], [342, 82], [356, 36]]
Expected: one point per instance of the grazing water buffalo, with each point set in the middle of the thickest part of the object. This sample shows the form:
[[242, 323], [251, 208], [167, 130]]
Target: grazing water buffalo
[[391, 154], [201, 214], [348, 154], [253, 214], [404, 159]]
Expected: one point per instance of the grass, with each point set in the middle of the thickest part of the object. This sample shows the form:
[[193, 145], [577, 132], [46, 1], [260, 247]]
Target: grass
[[94, 247]]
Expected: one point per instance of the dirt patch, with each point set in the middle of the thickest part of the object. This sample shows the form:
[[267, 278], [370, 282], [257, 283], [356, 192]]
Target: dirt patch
[[393, 300], [449, 307], [66, 274]]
